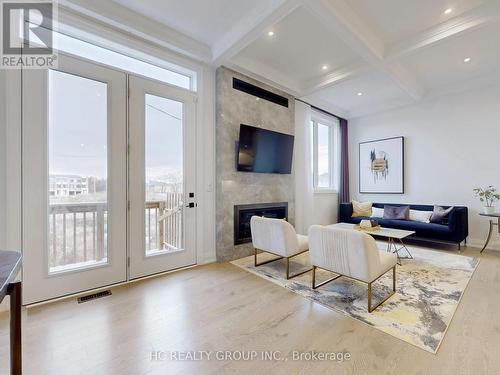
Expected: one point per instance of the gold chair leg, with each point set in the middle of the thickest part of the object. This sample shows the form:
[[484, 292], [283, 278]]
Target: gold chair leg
[[288, 267], [314, 277], [265, 262], [372, 308], [314, 286], [370, 297], [287, 264], [394, 279]]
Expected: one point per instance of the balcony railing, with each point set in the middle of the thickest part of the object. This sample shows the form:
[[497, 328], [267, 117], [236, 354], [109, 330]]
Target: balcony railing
[[164, 224], [78, 231]]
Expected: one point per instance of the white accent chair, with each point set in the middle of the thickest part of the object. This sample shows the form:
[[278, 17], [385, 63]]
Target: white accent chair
[[350, 253], [278, 237]]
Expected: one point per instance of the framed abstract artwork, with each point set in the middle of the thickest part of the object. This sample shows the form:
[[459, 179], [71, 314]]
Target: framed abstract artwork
[[381, 166]]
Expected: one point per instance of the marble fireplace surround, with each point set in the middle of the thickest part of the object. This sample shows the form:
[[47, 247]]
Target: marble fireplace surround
[[238, 188]]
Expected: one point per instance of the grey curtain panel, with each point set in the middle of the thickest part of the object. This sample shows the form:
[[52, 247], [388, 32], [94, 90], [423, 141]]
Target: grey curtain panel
[[344, 163]]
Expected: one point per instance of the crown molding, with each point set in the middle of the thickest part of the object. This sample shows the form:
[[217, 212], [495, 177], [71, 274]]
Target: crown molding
[[130, 22], [355, 69]]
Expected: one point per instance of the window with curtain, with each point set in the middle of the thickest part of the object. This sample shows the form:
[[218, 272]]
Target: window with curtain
[[325, 152]]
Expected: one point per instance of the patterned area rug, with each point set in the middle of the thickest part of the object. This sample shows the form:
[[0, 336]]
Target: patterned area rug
[[429, 289]]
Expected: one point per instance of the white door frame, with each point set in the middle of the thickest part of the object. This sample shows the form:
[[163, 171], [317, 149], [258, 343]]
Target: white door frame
[[39, 285], [141, 265]]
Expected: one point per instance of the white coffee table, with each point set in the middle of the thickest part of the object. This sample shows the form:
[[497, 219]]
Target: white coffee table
[[394, 238]]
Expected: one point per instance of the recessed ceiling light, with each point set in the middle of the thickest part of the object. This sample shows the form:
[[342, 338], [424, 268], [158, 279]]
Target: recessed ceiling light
[[467, 59], [270, 33], [324, 67], [257, 99], [359, 93], [448, 11]]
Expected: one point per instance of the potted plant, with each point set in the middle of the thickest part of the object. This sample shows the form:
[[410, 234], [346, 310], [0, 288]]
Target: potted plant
[[489, 196]]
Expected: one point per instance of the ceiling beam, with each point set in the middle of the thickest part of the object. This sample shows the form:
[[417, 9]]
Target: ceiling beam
[[334, 77], [347, 25], [471, 20], [250, 28]]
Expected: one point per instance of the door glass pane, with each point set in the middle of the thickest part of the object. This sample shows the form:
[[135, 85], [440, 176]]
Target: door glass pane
[[323, 156], [77, 156], [164, 175]]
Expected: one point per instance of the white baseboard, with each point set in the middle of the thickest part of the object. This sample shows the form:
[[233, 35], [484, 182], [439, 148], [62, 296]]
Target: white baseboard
[[208, 261]]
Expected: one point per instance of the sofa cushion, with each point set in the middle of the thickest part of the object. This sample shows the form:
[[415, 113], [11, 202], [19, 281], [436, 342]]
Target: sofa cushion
[[377, 212], [440, 214], [419, 215], [420, 207], [396, 212], [361, 209]]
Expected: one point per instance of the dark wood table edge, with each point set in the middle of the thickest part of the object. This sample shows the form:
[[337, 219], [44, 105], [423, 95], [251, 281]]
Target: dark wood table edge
[[14, 291]]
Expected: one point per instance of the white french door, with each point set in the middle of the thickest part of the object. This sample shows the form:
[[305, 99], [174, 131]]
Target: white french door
[[162, 177], [74, 179], [108, 178]]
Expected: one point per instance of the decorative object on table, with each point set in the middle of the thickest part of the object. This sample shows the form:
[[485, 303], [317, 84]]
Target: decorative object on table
[[440, 215], [489, 196], [366, 229], [492, 224], [361, 209], [368, 224], [396, 212], [381, 166], [428, 279]]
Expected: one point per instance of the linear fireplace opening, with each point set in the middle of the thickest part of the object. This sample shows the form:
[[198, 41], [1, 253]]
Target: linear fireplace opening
[[244, 212]]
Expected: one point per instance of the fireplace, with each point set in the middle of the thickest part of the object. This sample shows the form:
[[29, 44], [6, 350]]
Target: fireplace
[[243, 213]]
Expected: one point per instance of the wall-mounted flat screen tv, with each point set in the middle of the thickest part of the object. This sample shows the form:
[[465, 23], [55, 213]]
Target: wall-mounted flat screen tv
[[264, 151]]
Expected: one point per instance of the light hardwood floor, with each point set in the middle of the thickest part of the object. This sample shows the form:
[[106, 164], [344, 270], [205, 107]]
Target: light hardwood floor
[[219, 307]]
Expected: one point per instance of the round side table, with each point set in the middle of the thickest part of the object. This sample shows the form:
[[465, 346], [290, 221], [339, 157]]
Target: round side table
[[492, 224]]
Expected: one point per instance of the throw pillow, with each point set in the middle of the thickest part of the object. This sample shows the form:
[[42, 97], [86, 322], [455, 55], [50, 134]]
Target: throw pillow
[[361, 209], [440, 214], [396, 213], [377, 212], [422, 216]]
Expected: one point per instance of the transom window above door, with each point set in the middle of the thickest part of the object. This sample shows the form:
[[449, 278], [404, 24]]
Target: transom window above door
[[159, 70]]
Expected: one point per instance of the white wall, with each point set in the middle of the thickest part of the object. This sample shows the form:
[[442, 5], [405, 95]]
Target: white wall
[[452, 145], [325, 208]]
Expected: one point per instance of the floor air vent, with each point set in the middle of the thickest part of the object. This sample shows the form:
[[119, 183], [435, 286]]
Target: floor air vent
[[91, 297]]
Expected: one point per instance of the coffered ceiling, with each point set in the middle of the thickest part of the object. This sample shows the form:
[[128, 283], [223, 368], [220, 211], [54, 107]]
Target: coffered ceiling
[[393, 52]]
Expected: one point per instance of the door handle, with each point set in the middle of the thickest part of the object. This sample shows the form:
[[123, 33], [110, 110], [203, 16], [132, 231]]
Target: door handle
[[191, 205]]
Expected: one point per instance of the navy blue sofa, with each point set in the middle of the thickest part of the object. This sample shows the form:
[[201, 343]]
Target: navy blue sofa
[[455, 231]]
